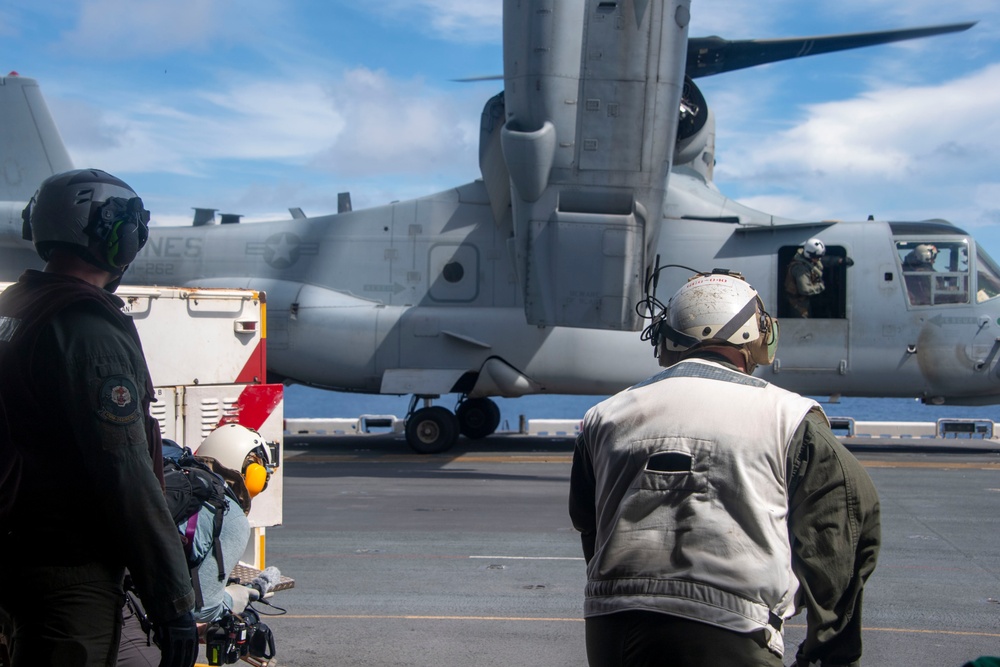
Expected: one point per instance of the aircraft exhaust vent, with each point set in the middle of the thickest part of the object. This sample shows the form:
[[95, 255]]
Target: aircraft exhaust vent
[[204, 216], [344, 202]]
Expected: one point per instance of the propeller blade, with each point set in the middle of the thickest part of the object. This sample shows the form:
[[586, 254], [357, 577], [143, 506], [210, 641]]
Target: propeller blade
[[488, 77], [713, 55]]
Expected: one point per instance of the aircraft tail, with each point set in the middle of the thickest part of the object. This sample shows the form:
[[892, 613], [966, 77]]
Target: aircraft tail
[[31, 149]]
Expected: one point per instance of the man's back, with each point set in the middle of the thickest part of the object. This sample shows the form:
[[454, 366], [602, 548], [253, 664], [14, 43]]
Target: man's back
[[690, 496]]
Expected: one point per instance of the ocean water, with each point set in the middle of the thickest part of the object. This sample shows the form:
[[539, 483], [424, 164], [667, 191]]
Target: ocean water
[[306, 402]]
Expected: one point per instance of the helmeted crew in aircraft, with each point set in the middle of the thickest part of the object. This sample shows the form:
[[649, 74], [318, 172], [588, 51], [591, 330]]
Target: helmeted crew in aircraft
[[804, 278], [713, 505], [919, 259]]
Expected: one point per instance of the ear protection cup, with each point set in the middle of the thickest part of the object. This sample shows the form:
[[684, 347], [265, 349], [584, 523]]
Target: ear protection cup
[[123, 243], [26, 221], [122, 224], [255, 477], [763, 349]]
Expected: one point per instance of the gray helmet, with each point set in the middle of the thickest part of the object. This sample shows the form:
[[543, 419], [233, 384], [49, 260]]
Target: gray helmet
[[91, 212]]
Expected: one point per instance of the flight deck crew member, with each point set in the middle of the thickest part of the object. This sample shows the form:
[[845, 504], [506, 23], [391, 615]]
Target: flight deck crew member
[[712, 504], [804, 277], [240, 455], [82, 500]]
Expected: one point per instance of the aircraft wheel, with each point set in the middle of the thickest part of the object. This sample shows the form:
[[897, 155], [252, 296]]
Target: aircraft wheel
[[478, 417], [431, 430]]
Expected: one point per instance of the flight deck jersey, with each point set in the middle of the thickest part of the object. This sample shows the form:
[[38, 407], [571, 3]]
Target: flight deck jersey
[[692, 509]]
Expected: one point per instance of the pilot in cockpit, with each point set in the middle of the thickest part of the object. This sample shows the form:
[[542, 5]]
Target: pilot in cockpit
[[919, 259]]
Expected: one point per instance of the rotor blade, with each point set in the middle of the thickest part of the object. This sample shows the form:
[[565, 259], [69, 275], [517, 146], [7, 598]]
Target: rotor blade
[[488, 77], [713, 55]]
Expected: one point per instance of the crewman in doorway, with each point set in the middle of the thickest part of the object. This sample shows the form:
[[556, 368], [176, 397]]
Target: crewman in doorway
[[804, 277]]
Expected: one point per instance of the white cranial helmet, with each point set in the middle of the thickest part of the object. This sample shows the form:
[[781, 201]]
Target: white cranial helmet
[[718, 308], [925, 253], [813, 248], [241, 449]]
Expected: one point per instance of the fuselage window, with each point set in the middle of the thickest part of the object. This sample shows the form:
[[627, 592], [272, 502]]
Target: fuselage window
[[815, 289], [987, 277], [935, 272], [453, 272]]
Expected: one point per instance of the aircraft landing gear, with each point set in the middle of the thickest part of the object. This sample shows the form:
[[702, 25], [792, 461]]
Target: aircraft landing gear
[[477, 417], [431, 429]]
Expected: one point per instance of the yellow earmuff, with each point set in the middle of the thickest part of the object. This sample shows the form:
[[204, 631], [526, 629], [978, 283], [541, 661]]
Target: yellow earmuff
[[255, 477]]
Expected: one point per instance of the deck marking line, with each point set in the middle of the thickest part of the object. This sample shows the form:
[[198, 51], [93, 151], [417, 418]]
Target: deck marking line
[[417, 617], [412, 617], [528, 557], [437, 459]]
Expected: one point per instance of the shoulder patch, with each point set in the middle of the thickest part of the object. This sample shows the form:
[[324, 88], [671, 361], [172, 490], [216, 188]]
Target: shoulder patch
[[118, 402]]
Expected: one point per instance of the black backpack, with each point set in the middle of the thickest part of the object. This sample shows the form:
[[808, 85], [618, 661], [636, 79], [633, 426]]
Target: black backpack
[[193, 489]]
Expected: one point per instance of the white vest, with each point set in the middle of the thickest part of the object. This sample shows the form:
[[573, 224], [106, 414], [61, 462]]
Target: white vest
[[699, 530]]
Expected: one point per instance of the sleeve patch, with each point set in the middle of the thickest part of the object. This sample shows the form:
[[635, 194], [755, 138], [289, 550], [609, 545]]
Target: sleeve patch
[[118, 401]]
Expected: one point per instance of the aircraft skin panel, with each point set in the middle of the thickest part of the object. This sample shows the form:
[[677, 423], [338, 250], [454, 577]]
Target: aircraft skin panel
[[610, 95], [31, 149]]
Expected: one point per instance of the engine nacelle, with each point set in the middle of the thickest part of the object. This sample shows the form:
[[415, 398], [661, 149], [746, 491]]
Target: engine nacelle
[[592, 94], [695, 147]]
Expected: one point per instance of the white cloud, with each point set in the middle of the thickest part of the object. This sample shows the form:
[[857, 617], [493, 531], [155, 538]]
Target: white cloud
[[398, 126], [922, 12], [363, 122], [282, 139], [120, 30], [124, 28], [891, 129], [898, 152], [736, 19], [456, 20]]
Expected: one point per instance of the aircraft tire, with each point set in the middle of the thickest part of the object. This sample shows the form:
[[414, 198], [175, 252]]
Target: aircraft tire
[[432, 430], [478, 418]]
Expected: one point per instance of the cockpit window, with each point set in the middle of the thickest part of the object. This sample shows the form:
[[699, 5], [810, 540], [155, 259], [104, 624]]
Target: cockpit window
[[987, 277], [935, 272]]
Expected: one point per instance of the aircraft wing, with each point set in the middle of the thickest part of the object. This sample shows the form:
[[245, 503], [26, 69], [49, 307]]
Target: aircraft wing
[[714, 55]]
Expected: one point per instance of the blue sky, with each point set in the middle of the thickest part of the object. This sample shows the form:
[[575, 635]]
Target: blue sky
[[255, 106]]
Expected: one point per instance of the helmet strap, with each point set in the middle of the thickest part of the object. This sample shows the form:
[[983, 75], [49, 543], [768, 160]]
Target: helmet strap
[[737, 320]]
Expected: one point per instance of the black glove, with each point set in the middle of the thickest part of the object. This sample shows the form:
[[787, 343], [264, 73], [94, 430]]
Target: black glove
[[178, 641], [848, 261]]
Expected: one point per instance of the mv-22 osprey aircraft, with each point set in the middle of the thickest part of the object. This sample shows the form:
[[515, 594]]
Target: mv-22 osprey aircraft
[[527, 280]]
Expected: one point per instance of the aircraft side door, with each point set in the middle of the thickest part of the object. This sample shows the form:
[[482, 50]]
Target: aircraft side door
[[819, 343]]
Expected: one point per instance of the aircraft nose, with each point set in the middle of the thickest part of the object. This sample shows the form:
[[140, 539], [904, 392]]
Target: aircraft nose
[[959, 356]]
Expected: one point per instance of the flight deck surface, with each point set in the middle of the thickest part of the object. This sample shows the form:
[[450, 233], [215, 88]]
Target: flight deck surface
[[469, 557]]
